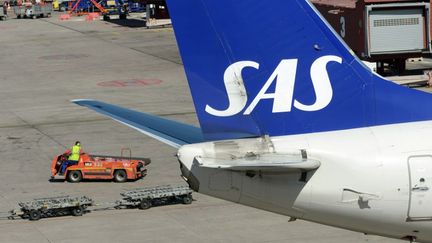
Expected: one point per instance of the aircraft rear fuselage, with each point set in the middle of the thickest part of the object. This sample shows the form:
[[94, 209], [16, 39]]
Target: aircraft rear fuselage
[[375, 180]]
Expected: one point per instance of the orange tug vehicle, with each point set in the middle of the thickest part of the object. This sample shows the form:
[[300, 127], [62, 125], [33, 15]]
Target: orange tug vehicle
[[100, 167]]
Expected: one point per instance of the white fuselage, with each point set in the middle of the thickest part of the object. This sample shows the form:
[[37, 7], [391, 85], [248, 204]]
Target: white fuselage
[[376, 180]]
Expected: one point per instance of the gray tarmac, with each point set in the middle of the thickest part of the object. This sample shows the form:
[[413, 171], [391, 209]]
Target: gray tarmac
[[44, 63]]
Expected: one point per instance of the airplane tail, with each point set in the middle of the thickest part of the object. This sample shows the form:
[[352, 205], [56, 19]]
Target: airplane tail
[[277, 68]]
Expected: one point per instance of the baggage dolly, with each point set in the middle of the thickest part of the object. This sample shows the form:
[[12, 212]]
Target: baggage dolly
[[52, 207], [34, 11], [2, 14], [144, 198]]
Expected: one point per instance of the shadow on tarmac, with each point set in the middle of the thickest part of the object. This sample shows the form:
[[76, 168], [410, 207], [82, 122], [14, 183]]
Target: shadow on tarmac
[[130, 23]]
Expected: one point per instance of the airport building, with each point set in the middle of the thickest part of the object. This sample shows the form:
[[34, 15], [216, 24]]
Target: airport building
[[382, 31]]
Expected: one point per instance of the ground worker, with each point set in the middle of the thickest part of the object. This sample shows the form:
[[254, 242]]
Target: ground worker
[[5, 7], [74, 156]]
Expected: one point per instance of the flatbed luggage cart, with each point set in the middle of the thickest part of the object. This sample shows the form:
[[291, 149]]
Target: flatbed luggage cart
[[2, 15], [20, 11], [52, 207], [144, 198], [34, 11]]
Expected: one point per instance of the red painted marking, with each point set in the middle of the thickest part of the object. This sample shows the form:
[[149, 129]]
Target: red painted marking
[[130, 83], [8, 27], [64, 16]]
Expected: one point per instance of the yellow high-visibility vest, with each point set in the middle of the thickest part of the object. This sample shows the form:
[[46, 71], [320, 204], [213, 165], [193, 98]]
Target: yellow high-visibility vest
[[75, 153]]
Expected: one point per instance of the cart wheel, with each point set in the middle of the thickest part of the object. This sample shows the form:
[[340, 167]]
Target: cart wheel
[[187, 199], [106, 18], [74, 176], [18, 16], [120, 176], [145, 204], [78, 211], [34, 215]]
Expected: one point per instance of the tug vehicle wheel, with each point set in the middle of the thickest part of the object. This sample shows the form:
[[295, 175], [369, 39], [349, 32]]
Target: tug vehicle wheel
[[74, 176], [120, 176]]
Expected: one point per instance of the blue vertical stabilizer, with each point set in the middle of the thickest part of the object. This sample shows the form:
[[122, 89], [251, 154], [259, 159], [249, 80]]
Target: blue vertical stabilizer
[[275, 68]]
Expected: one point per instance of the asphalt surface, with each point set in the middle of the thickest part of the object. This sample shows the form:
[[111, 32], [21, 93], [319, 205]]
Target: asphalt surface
[[45, 63]]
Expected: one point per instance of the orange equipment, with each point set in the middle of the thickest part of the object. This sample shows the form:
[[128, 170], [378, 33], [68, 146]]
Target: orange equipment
[[96, 4], [101, 167]]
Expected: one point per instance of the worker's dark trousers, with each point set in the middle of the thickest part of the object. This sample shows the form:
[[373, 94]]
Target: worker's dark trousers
[[66, 164]]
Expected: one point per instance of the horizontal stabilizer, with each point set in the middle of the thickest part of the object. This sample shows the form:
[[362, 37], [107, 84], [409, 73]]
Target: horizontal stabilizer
[[167, 131], [265, 163]]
